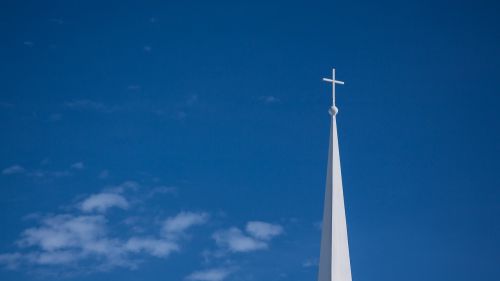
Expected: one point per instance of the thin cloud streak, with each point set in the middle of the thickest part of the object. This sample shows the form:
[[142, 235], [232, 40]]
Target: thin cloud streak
[[14, 169], [214, 274], [78, 166]]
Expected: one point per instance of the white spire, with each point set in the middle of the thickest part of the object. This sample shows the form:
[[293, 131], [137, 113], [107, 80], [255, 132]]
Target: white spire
[[334, 263]]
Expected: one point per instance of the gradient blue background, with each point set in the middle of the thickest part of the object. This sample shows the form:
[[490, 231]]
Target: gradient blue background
[[186, 93]]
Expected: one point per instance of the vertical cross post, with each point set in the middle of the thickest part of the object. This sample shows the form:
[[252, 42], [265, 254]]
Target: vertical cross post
[[332, 80]]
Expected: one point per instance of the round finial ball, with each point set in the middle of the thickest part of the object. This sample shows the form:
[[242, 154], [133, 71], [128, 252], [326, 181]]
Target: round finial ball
[[333, 110]]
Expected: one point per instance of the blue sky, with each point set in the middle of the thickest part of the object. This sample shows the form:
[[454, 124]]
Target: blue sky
[[153, 140]]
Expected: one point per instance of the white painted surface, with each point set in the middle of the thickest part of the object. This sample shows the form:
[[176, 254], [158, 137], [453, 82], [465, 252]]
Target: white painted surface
[[334, 264]]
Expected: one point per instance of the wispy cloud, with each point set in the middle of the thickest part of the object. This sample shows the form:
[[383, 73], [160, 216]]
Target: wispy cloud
[[54, 117], [257, 237], [10, 261], [111, 229], [62, 232], [66, 239], [123, 187], [14, 169], [156, 247], [78, 166], [104, 201], [83, 239], [213, 274], [235, 240], [263, 230], [43, 174], [174, 226]]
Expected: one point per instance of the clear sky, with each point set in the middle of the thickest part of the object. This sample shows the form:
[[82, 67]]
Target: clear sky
[[187, 140]]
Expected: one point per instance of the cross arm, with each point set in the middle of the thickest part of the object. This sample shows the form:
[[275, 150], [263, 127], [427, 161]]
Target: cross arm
[[333, 81]]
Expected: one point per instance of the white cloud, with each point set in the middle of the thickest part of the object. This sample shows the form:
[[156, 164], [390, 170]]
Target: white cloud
[[125, 186], [64, 232], [48, 175], [214, 274], [66, 239], [235, 241], [83, 241], [37, 173], [103, 201], [78, 166], [69, 240], [263, 230], [54, 258], [14, 169], [177, 225], [257, 237], [155, 247], [11, 261]]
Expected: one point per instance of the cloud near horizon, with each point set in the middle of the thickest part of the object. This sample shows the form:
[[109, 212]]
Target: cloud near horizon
[[256, 237], [86, 239]]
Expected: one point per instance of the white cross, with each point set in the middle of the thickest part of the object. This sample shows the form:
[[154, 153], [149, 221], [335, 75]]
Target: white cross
[[333, 81]]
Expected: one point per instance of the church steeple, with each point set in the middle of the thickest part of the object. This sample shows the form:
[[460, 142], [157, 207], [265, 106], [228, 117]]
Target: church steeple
[[334, 264]]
